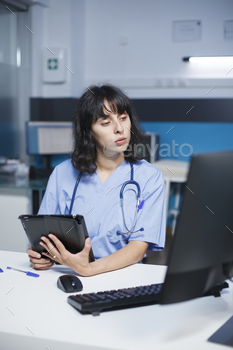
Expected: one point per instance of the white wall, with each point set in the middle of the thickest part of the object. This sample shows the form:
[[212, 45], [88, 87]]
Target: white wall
[[150, 56], [59, 25], [129, 43]]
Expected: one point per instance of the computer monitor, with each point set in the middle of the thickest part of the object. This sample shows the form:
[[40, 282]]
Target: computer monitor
[[149, 150], [48, 138], [201, 254]]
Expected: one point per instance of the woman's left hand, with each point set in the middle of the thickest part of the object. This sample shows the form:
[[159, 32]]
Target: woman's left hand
[[78, 262]]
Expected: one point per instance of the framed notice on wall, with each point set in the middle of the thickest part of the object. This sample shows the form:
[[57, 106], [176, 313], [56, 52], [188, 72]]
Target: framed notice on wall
[[187, 30]]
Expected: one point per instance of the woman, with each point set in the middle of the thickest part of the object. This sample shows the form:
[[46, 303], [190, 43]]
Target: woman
[[106, 134]]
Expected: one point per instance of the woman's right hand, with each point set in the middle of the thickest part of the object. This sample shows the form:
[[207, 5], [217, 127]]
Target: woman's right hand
[[38, 261]]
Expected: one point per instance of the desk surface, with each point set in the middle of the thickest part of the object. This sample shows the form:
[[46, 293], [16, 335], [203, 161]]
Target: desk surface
[[11, 181], [35, 313]]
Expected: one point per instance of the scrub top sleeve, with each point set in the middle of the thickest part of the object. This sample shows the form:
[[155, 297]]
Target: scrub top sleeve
[[152, 216], [49, 204]]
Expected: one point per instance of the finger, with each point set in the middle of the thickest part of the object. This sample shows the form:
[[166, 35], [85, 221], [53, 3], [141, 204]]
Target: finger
[[32, 253], [48, 255], [51, 249], [42, 266], [87, 246], [35, 257], [58, 244], [40, 261], [51, 253]]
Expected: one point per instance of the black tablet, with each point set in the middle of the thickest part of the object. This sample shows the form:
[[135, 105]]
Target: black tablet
[[69, 229]]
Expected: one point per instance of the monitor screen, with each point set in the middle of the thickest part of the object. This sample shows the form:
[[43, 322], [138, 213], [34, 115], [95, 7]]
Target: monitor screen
[[48, 138], [201, 254]]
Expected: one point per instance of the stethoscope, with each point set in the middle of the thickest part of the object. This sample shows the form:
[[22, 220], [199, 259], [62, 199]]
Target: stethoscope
[[138, 203]]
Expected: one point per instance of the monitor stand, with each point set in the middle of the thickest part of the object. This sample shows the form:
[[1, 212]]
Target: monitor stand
[[224, 334]]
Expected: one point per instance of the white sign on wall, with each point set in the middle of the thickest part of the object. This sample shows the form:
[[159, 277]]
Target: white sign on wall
[[54, 65], [187, 30]]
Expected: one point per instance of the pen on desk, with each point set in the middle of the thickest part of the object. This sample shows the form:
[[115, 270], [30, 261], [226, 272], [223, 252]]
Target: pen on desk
[[28, 273], [1, 270]]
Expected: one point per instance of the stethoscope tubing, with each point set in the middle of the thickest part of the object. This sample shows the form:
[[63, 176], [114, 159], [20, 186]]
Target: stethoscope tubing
[[130, 182], [74, 192]]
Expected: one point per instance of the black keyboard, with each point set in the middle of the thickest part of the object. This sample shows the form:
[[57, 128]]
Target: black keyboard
[[116, 299]]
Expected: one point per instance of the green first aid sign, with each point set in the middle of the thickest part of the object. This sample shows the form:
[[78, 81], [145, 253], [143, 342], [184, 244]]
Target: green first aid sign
[[52, 63]]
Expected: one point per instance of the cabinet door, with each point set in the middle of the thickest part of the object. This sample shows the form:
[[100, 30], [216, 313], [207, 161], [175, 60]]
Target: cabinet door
[[13, 202]]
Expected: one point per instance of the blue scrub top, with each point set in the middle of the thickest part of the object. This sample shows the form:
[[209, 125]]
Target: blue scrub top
[[100, 205]]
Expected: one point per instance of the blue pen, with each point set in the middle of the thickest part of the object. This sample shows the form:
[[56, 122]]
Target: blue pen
[[140, 205], [1, 270], [28, 273]]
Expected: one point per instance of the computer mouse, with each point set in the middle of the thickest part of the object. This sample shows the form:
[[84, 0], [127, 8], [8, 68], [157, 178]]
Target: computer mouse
[[69, 284]]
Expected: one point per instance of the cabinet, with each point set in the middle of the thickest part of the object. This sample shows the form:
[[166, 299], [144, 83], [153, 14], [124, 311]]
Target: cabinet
[[17, 197]]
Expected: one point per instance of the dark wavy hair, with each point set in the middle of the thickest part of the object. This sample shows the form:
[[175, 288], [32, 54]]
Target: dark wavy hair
[[90, 107]]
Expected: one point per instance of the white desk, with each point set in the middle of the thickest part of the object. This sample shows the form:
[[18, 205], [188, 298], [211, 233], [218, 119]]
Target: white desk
[[35, 314]]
